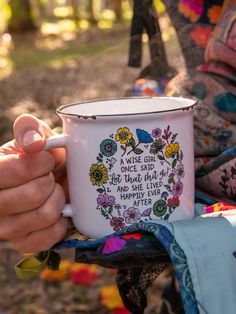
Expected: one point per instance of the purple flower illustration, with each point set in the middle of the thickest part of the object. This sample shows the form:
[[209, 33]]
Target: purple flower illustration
[[131, 215], [167, 133], [113, 245], [180, 171], [156, 132], [164, 195], [178, 188], [106, 200], [146, 212]]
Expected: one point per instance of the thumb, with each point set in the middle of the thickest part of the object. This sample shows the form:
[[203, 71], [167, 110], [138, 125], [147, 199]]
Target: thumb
[[30, 133]]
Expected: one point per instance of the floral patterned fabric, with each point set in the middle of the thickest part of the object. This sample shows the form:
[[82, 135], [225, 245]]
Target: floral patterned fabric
[[213, 83], [194, 21]]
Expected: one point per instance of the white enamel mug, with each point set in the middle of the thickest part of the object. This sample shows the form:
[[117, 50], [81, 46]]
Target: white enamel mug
[[128, 160]]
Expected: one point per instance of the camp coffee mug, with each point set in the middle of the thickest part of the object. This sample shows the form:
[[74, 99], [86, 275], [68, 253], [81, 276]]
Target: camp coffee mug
[[128, 160]]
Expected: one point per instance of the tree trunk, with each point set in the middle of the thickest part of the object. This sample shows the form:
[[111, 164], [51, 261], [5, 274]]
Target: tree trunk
[[118, 9], [74, 5], [91, 11], [21, 18]]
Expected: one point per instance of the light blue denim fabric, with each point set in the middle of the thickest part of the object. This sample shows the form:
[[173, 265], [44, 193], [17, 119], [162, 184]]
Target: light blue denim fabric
[[209, 245]]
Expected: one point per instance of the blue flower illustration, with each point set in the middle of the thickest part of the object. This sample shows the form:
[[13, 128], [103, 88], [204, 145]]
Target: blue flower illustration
[[108, 147], [143, 136]]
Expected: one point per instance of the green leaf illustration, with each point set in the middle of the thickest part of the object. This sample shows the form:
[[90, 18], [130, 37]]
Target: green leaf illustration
[[110, 210], [174, 163], [166, 216], [131, 142], [168, 186], [137, 151], [160, 157], [100, 190]]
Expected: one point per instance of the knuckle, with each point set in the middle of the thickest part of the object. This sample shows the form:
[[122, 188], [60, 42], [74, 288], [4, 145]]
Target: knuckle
[[20, 246], [11, 228], [50, 214], [59, 195], [20, 172], [3, 203], [10, 233], [36, 195], [6, 233], [40, 189], [32, 166], [57, 232]]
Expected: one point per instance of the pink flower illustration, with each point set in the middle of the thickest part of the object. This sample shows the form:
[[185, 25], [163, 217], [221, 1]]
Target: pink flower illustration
[[106, 200], [131, 215]]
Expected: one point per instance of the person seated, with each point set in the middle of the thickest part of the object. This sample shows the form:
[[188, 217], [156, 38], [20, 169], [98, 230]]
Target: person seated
[[38, 178]]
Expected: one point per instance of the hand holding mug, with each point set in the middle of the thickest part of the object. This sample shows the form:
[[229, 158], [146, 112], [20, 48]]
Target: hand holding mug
[[31, 188], [128, 160]]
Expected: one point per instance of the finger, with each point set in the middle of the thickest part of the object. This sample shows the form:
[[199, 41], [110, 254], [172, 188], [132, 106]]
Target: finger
[[27, 196], [17, 169], [19, 225], [30, 133], [43, 239]]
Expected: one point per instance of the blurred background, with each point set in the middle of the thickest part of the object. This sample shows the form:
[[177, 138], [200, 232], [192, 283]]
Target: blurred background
[[53, 52]]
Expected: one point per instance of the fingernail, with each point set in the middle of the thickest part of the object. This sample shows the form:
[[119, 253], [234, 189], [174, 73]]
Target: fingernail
[[31, 137]]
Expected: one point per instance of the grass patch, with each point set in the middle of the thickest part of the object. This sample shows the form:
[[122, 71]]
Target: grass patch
[[35, 58]]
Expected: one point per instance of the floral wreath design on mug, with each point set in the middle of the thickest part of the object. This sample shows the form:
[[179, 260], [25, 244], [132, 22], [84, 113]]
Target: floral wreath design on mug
[[161, 144]]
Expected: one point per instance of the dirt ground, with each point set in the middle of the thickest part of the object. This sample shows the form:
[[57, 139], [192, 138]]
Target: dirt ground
[[39, 91]]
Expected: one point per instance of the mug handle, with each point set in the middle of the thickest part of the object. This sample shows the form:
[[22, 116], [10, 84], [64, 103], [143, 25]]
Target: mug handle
[[56, 141]]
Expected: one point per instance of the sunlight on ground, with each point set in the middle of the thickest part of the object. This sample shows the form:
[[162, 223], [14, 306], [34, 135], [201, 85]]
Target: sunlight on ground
[[59, 27], [58, 43], [63, 11], [83, 24], [108, 15], [103, 24], [68, 25]]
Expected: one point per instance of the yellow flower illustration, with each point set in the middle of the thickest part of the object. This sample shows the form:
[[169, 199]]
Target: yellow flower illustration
[[123, 135], [98, 174], [172, 149]]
